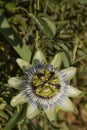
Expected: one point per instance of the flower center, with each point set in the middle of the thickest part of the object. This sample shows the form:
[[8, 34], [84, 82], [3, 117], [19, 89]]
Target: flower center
[[45, 83]]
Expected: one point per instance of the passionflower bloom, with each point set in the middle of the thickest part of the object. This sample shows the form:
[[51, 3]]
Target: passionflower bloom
[[44, 87]]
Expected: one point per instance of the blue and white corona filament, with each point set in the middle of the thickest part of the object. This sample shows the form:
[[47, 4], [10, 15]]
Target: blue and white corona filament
[[44, 87]]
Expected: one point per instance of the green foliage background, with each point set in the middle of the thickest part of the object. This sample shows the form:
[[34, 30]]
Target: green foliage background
[[53, 26]]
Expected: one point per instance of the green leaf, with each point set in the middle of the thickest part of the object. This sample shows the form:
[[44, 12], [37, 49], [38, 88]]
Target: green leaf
[[12, 38], [65, 48], [45, 24], [14, 119], [4, 115], [57, 47], [49, 22], [65, 59]]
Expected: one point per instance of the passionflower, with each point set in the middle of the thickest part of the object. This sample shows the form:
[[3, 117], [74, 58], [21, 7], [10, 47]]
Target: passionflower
[[44, 87]]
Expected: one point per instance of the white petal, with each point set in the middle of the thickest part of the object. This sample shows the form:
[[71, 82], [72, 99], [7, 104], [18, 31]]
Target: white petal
[[66, 105], [22, 63], [51, 113], [39, 56], [15, 82], [19, 99], [32, 111], [74, 92], [68, 74], [57, 60]]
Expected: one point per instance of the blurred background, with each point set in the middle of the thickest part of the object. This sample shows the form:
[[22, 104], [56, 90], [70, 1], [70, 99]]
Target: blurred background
[[54, 26]]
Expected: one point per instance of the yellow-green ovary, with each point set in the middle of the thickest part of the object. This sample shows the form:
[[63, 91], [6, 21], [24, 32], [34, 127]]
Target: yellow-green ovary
[[45, 83]]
